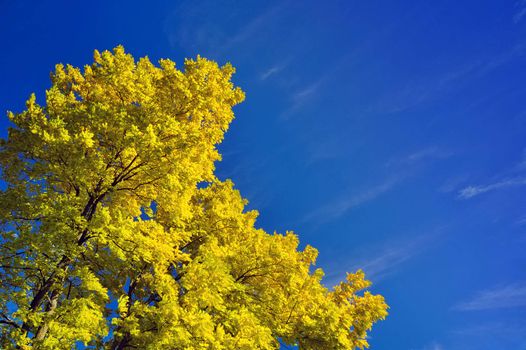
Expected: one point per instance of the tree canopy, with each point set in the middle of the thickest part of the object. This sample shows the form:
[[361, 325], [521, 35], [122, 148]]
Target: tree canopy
[[116, 234]]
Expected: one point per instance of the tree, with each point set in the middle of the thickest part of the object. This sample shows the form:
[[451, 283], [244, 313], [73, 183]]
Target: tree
[[116, 234]]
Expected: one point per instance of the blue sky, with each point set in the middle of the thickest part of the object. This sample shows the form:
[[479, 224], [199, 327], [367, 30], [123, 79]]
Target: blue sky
[[388, 134]]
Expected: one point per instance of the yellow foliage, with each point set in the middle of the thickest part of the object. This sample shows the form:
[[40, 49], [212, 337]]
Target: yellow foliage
[[116, 233]]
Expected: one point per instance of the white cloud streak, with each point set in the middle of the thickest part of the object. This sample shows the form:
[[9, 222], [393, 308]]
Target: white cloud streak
[[420, 156], [271, 71], [312, 90], [387, 260], [521, 221], [339, 207], [390, 258], [433, 346], [519, 15], [521, 11], [302, 96], [472, 191], [342, 206], [206, 35], [422, 90], [253, 27], [509, 296], [453, 183]]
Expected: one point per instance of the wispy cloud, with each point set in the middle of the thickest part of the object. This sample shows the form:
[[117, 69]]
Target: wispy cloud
[[243, 170], [508, 334], [521, 221], [342, 206], [422, 90], [512, 295], [472, 191], [388, 260], [302, 96], [519, 15], [272, 70], [522, 163], [420, 155], [253, 27], [311, 90], [518, 50], [513, 176], [195, 26], [432, 346], [520, 12], [381, 262], [492, 329], [452, 184], [327, 148], [432, 152], [482, 66]]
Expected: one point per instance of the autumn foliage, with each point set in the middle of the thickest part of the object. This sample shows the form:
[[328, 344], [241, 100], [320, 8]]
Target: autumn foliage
[[116, 234]]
